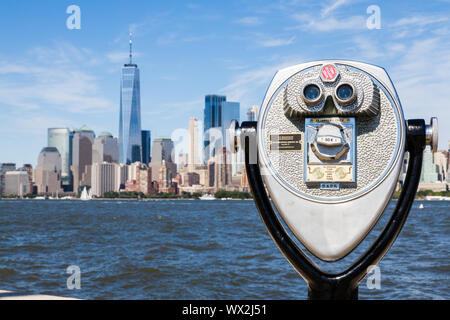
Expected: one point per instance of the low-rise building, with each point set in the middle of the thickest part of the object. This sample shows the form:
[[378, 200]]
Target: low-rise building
[[17, 183], [103, 178]]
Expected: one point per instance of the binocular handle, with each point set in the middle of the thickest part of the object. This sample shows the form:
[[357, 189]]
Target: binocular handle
[[344, 285]]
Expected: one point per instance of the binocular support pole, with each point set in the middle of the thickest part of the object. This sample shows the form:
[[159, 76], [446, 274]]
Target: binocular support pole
[[341, 286]]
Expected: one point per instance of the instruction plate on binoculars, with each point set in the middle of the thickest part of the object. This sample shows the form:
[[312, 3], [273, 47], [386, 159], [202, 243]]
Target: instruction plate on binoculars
[[330, 150], [286, 142]]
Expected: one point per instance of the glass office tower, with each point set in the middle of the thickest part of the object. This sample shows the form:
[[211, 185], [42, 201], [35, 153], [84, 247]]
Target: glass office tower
[[213, 111], [146, 143], [230, 112], [218, 115], [61, 139], [130, 139], [212, 118]]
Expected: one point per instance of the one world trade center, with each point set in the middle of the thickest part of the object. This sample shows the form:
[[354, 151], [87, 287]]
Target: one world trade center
[[130, 139]]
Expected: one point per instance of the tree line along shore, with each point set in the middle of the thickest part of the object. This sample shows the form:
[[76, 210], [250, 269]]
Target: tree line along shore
[[235, 195]]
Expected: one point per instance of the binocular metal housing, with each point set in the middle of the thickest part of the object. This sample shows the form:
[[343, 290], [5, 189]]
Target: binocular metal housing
[[329, 146]]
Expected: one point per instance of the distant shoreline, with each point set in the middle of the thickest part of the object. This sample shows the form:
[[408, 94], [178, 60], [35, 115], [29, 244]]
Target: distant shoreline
[[176, 199], [125, 199]]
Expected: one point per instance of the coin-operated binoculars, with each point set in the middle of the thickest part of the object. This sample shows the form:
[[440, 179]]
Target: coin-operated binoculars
[[328, 148]]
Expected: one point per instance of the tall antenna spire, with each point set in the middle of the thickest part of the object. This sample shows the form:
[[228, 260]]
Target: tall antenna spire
[[131, 48]]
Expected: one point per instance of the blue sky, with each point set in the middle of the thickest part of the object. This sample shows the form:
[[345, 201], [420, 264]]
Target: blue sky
[[51, 76]]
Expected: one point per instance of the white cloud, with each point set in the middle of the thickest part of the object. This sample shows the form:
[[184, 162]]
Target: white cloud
[[415, 26], [246, 87], [310, 22], [276, 42], [421, 79], [121, 56], [333, 6], [249, 21], [55, 77], [419, 21]]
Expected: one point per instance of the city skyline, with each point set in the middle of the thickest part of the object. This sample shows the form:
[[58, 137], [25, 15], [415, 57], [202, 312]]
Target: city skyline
[[55, 77]]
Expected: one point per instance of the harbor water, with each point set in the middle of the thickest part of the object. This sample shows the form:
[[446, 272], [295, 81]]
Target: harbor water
[[195, 250]]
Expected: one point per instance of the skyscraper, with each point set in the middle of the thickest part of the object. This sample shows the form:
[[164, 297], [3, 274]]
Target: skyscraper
[[230, 113], [218, 116], [130, 139], [105, 149], [162, 151], [61, 139], [212, 118], [82, 142], [146, 146], [47, 174]]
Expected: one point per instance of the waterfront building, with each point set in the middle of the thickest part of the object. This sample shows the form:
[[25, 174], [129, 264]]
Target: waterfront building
[[193, 176], [143, 180], [222, 170], [244, 181], [218, 117], [132, 169], [28, 168], [202, 172], [163, 151], [82, 142], [105, 149], [429, 168], [17, 183], [130, 135], [429, 178], [193, 159], [191, 179], [165, 179], [61, 139], [448, 162], [252, 114], [103, 178], [5, 167], [121, 176], [187, 179], [440, 160], [146, 146], [47, 175], [210, 173], [183, 159]]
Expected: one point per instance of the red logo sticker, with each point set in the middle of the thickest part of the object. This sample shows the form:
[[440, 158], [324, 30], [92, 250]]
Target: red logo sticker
[[329, 72]]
